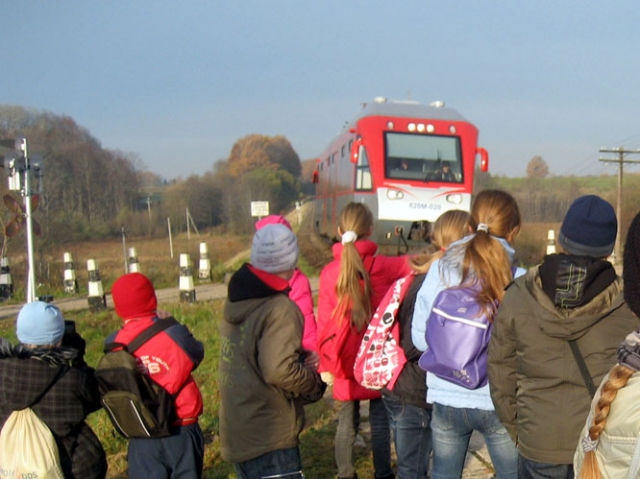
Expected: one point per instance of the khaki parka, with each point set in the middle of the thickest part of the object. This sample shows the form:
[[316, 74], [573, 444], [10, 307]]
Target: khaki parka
[[262, 379], [536, 386]]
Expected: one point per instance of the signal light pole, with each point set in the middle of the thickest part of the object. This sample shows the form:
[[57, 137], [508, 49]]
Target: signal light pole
[[620, 161], [18, 166]]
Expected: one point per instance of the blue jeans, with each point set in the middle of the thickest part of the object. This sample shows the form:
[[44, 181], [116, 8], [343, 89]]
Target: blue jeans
[[529, 469], [451, 430], [280, 464], [412, 434], [348, 423], [177, 456]]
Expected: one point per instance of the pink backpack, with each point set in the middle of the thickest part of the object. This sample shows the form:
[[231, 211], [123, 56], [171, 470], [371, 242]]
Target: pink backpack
[[380, 357]]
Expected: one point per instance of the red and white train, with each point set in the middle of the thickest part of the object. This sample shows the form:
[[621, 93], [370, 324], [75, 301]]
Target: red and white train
[[407, 161]]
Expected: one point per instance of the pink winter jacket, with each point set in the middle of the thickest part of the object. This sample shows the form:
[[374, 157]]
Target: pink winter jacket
[[301, 295]]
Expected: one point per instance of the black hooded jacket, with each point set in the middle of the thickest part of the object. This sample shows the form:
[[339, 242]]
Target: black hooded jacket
[[71, 396]]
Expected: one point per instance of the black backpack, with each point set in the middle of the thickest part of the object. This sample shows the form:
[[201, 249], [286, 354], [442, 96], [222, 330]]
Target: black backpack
[[137, 406]]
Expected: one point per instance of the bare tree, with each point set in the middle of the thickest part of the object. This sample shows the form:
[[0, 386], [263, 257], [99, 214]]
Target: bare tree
[[537, 168]]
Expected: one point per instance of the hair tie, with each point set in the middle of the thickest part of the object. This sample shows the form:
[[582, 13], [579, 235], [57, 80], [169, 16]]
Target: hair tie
[[589, 444], [349, 237], [483, 227]]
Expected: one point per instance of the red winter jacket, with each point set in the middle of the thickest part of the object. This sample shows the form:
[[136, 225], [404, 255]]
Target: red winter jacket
[[169, 357], [383, 271]]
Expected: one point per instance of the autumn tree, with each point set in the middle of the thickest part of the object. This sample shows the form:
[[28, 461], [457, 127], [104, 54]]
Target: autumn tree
[[260, 151], [537, 168]]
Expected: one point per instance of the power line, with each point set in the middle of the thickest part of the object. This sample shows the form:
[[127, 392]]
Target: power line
[[620, 161]]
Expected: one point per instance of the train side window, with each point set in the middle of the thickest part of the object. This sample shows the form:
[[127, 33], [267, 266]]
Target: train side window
[[363, 172]]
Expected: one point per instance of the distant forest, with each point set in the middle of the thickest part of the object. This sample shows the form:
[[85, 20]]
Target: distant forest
[[89, 192]]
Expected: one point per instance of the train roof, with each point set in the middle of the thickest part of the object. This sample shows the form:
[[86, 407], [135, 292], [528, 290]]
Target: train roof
[[408, 109]]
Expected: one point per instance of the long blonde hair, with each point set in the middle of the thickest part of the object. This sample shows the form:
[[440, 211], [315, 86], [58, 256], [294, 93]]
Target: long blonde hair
[[353, 287], [618, 378], [494, 214], [449, 227]]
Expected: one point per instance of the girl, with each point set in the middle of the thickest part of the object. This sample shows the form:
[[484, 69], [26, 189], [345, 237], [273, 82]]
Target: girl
[[351, 287], [609, 443], [485, 257], [409, 414]]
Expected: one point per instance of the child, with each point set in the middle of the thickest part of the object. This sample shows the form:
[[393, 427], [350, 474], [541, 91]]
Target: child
[[409, 413], [300, 291], [263, 380], [47, 372], [609, 444], [351, 287], [555, 337], [485, 257]]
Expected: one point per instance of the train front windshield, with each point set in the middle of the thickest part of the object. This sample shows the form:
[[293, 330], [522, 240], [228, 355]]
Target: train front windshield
[[423, 157]]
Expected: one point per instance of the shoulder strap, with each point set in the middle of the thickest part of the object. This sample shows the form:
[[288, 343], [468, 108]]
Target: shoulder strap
[[368, 263], [63, 369], [584, 371], [144, 336]]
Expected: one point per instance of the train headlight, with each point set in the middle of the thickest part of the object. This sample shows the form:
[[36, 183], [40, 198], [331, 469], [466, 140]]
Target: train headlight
[[394, 194], [455, 199], [390, 125], [452, 129], [431, 128], [420, 127], [411, 127]]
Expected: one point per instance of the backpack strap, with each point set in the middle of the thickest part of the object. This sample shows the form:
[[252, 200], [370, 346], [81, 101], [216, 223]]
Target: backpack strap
[[584, 371], [63, 369], [144, 336]]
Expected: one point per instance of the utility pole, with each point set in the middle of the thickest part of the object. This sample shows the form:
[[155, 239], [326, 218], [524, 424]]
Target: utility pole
[[621, 161]]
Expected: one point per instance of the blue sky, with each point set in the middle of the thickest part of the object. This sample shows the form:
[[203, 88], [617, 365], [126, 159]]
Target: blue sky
[[178, 83]]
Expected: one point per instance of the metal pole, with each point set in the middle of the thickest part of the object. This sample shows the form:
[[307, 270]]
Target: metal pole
[[188, 229], [170, 238], [31, 279], [618, 247], [124, 251]]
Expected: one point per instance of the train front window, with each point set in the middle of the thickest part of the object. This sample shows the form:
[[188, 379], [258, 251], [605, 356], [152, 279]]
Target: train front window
[[423, 157]]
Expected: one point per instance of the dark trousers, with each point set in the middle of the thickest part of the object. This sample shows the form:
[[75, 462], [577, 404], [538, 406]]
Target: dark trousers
[[529, 469], [177, 456], [279, 464]]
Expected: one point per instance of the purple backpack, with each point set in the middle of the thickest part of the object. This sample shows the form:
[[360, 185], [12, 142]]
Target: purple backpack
[[457, 335]]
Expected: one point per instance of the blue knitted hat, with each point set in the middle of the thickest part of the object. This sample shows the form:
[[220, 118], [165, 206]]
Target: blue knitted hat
[[589, 227], [39, 323]]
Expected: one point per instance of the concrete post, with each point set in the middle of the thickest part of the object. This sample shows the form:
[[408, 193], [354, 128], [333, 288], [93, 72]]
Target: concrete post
[[134, 265], [70, 282], [97, 299], [204, 271], [6, 283], [187, 289]]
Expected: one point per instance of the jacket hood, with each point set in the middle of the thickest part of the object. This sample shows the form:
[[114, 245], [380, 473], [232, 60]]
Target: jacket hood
[[364, 248], [568, 323], [249, 289]]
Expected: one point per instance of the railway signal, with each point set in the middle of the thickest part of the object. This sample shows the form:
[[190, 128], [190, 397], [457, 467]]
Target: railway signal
[[20, 219], [22, 171]]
